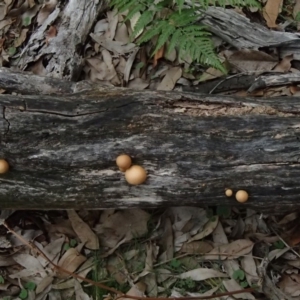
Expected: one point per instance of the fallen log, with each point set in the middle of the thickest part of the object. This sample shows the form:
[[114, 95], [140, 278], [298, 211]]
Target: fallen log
[[62, 149]]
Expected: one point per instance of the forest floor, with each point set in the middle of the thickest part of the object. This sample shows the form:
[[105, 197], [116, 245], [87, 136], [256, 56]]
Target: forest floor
[[206, 253]]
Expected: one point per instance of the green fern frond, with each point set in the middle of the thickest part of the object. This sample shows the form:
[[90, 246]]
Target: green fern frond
[[155, 30], [125, 6], [142, 22], [134, 10], [174, 41], [179, 4], [180, 27], [196, 29], [186, 17], [164, 36], [122, 5]]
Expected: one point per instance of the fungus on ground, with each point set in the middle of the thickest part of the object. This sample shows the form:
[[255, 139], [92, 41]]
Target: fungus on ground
[[123, 162], [228, 192], [135, 175], [4, 166], [241, 196]]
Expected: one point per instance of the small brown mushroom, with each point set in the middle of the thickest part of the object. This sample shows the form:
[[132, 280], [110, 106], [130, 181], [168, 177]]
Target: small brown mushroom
[[228, 192], [241, 196], [135, 175], [4, 166], [123, 162]]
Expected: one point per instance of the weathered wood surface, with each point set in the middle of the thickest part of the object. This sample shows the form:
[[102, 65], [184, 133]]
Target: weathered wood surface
[[238, 31], [62, 149], [61, 54]]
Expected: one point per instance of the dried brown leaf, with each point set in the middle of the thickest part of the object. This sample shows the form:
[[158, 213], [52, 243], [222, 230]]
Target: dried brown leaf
[[22, 37], [129, 64], [158, 55], [201, 274], [126, 224], [70, 261], [137, 290], [51, 33], [112, 18], [232, 285], [251, 60], [285, 65], [290, 284], [113, 46], [84, 232], [271, 11], [209, 227], [250, 269], [43, 284], [219, 236], [45, 11], [19, 10], [230, 251], [30, 263], [138, 84], [122, 34], [170, 79], [196, 247]]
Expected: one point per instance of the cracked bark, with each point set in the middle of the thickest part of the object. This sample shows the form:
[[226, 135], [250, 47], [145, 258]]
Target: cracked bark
[[62, 149]]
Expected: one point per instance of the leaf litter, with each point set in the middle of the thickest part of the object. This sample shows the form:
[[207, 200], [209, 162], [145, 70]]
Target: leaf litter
[[181, 251], [178, 252]]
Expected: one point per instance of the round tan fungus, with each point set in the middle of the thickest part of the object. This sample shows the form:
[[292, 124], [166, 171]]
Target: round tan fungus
[[123, 162], [241, 196], [4, 166], [228, 192], [135, 175]]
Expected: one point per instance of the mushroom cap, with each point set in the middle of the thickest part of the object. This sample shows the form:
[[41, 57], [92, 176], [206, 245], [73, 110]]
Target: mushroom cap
[[135, 175], [4, 166], [123, 161], [228, 192], [241, 196]]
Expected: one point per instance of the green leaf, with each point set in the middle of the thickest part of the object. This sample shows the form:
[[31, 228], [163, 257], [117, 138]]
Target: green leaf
[[279, 244], [2, 280], [66, 247], [12, 51], [30, 286], [23, 294], [26, 21], [297, 18], [139, 65], [73, 243], [238, 274], [244, 284], [175, 264]]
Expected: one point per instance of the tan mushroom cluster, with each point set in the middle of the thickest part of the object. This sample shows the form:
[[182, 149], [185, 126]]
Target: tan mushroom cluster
[[240, 196], [134, 174]]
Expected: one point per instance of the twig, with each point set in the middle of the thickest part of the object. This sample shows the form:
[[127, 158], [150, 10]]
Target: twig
[[285, 243], [107, 288]]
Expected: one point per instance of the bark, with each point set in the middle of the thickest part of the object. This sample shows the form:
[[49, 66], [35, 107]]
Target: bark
[[62, 53], [62, 149], [238, 31]]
